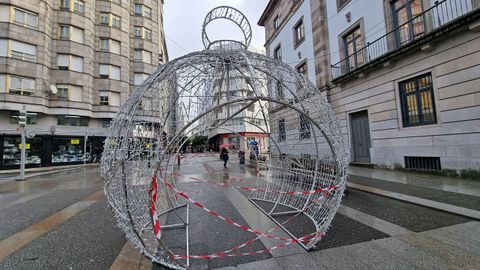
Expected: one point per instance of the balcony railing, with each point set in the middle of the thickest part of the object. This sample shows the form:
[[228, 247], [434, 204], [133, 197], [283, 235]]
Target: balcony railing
[[437, 16]]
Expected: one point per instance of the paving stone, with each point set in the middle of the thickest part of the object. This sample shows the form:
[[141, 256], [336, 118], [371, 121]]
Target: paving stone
[[462, 239], [420, 258], [378, 258], [270, 264], [339, 258], [300, 261]]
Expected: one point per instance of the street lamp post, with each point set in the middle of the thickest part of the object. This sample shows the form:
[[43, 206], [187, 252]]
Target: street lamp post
[[22, 121]]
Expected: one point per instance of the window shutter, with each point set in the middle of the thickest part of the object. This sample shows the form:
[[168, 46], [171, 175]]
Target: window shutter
[[75, 93], [24, 47], [3, 47], [115, 73], [77, 63], [3, 83], [104, 70], [77, 35], [114, 99], [115, 46], [4, 13], [63, 60]]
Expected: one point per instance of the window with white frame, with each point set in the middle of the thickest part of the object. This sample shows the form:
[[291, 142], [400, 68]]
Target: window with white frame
[[104, 18], [75, 93], [115, 46], [71, 33], [4, 13], [116, 21], [142, 10], [79, 6], [114, 99], [65, 4], [109, 72], [21, 85], [137, 31], [3, 83], [139, 78], [22, 51], [25, 18], [103, 97], [62, 92], [137, 55], [104, 44], [70, 62], [147, 34]]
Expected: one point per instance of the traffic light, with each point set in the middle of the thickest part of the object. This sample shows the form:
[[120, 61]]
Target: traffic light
[[22, 118]]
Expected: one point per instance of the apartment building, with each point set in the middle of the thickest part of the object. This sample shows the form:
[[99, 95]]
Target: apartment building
[[401, 75], [71, 64], [405, 78]]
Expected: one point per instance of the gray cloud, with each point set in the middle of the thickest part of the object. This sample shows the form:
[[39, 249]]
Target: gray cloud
[[183, 23]]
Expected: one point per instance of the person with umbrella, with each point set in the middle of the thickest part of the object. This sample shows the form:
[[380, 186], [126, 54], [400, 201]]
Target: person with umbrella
[[224, 156]]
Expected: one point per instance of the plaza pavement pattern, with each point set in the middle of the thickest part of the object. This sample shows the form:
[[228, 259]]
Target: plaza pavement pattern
[[61, 221]]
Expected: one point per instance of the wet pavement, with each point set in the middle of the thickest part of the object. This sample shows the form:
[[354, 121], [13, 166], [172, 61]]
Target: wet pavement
[[60, 221]]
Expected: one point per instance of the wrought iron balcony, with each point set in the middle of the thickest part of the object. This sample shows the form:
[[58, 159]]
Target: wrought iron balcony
[[439, 16]]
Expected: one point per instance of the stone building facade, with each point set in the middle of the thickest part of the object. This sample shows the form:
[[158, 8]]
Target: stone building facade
[[402, 77], [71, 63]]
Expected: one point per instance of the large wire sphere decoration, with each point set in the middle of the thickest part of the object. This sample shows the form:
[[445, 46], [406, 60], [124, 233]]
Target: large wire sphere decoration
[[183, 99]]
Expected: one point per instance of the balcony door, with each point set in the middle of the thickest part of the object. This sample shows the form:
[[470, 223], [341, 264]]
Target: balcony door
[[354, 52], [408, 25]]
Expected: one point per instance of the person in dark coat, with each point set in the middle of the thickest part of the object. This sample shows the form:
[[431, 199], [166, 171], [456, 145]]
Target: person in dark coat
[[224, 156]]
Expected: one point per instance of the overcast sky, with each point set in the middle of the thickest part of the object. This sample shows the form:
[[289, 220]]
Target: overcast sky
[[184, 19]]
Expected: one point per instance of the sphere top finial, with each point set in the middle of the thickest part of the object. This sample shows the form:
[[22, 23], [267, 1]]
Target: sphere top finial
[[231, 14]]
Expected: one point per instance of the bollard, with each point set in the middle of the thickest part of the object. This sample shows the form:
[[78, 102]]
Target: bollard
[[178, 160]]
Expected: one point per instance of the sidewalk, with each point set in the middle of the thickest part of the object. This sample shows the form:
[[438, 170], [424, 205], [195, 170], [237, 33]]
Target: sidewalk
[[451, 247], [457, 196]]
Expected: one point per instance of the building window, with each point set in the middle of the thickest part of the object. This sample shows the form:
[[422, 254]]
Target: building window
[[70, 62], [279, 88], [31, 118], [62, 92], [72, 120], [341, 4], [109, 72], [299, 32], [277, 52], [408, 28], [25, 18], [147, 34], [18, 50], [139, 78], [147, 12], [21, 86], [417, 102], [304, 127], [72, 33], [138, 9], [104, 18], [137, 55], [79, 6], [303, 69], [137, 31], [103, 97], [67, 149], [106, 122], [281, 130], [116, 21], [65, 4], [109, 45], [105, 44], [12, 150], [276, 22], [65, 31], [353, 44]]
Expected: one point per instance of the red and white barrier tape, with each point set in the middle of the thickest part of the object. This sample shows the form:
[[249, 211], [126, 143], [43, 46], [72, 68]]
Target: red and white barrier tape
[[318, 190], [213, 213], [153, 209], [223, 254]]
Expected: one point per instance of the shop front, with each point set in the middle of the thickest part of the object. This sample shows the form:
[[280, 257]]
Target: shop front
[[44, 151]]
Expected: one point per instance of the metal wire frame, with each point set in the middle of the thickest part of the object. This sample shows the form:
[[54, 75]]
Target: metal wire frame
[[174, 103]]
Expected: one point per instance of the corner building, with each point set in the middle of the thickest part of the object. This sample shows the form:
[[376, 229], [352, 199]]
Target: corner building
[[71, 63]]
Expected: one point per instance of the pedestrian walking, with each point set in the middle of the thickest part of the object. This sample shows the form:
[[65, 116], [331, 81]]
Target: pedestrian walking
[[224, 156]]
